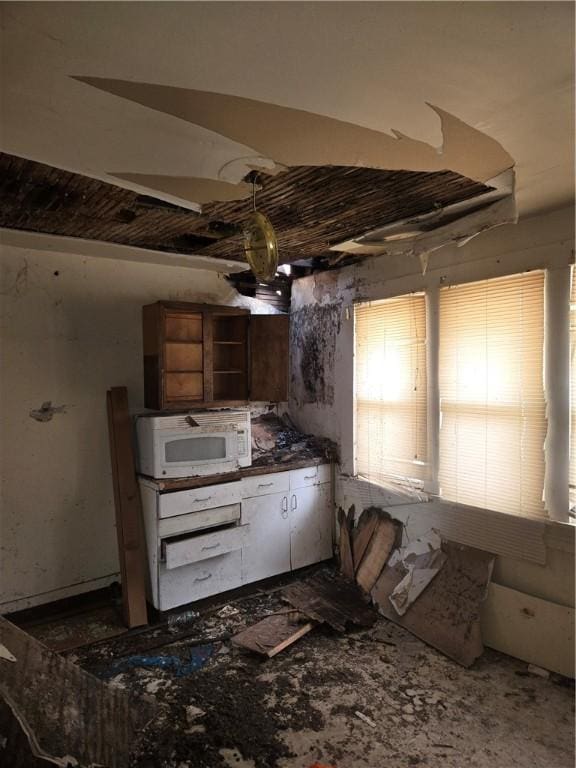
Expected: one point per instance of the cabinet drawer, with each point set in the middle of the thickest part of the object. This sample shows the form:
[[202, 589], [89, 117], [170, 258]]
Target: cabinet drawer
[[206, 497], [262, 485], [192, 549], [300, 478], [199, 580], [206, 518]]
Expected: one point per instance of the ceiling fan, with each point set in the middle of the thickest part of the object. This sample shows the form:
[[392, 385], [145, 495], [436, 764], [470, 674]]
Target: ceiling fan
[[260, 244]]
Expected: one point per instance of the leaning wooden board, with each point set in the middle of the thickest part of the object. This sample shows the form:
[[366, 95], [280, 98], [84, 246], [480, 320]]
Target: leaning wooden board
[[50, 708], [129, 528]]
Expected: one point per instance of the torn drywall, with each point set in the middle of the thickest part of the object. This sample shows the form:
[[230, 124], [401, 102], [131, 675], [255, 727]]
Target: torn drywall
[[295, 137], [188, 188]]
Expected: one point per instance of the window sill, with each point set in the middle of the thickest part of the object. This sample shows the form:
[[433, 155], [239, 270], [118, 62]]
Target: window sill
[[523, 538]]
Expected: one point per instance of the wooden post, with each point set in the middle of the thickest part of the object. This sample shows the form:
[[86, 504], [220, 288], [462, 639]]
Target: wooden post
[[129, 531]]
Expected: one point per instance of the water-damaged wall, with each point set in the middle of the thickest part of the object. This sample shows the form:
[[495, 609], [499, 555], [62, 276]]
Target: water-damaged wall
[[70, 327]]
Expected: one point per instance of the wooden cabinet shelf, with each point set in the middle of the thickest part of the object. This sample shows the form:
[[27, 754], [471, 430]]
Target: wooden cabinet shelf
[[201, 355]]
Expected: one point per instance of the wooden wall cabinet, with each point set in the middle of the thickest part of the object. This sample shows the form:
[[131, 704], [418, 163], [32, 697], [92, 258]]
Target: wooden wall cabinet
[[203, 355]]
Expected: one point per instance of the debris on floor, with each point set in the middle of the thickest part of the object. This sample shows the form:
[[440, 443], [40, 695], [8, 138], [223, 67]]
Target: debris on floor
[[333, 599], [197, 657], [51, 709], [321, 599], [447, 613], [274, 633], [298, 710]]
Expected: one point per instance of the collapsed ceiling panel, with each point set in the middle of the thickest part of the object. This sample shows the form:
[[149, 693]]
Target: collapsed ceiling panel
[[311, 208], [296, 137]]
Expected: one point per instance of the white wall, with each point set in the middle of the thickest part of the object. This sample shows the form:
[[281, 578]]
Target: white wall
[[325, 301], [70, 327]]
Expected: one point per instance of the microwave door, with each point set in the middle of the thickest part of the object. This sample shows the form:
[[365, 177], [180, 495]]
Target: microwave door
[[199, 450]]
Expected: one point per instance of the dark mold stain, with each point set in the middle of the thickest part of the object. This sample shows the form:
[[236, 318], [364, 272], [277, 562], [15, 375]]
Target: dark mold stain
[[313, 332], [46, 411]]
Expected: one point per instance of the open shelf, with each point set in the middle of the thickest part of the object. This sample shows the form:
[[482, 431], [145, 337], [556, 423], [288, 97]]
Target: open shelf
[[235, 372]]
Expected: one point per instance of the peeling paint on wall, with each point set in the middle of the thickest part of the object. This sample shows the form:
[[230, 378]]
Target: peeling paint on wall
[[47, 411], [313, 332]]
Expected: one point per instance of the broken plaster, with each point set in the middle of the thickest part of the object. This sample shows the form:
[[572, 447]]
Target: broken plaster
[[294, 137], [47, 411]]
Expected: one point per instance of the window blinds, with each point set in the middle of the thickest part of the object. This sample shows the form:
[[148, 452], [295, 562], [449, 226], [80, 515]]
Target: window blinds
[[390, 376], [493, 419]]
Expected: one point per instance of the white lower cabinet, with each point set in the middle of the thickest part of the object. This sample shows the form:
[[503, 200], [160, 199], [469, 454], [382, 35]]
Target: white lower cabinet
[[213, 539], [178, 586], [310, 525], [267, 547]]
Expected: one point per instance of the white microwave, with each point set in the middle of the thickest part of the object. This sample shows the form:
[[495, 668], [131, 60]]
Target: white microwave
[[193, 444]]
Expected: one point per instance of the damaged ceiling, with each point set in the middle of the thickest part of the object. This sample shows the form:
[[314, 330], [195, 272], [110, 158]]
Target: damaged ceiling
[[312, 208], [210, 103]]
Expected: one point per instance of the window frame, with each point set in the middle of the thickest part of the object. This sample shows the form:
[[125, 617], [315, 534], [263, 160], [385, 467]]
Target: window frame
[[557, 281]]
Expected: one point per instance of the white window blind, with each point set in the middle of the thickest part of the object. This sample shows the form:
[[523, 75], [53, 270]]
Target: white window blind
[[572, 476], [493, 417], [390, 380]]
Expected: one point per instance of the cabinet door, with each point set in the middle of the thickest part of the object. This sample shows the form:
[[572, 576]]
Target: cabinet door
[[310, 525], [269, 357], [266, 550]]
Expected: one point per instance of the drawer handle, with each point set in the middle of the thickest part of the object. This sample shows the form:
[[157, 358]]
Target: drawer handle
[[203, 578], [206, 499], [265, 485], [310, 477], [212, 546]]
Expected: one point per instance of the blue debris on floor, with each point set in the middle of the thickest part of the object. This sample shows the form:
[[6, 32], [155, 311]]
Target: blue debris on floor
[[197, 658]]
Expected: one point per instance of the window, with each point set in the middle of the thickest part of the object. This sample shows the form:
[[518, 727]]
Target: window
[[493, 415], [390, 376], [482, 442]]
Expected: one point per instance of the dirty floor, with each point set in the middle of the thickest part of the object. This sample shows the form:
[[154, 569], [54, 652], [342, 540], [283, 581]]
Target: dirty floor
[[377, 698]]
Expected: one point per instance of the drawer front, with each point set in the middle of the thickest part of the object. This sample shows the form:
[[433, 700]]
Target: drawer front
[[199, 580], [300, 478], [262, 485], [194, 521], [203, 547], [206, 497]]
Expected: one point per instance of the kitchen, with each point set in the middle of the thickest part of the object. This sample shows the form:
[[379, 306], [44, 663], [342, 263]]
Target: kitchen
[[269, 416]]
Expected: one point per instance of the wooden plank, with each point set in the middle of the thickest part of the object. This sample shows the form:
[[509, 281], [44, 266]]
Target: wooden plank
[[336, 601], [274, 633], [62, 710], [447, 613], [131, 548], [346, 560], [362, 534], [269, 355], [520, 625], [377, 553]]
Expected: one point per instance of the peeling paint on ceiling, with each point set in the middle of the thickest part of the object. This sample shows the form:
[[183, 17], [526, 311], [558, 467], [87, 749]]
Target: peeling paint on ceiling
[[294, 137]]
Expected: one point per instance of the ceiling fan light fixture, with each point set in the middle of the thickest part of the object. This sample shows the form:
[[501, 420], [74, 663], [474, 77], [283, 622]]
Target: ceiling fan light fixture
[[260, 244]]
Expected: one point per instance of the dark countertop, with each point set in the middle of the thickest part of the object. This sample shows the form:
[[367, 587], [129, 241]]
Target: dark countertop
[[276, 447]]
